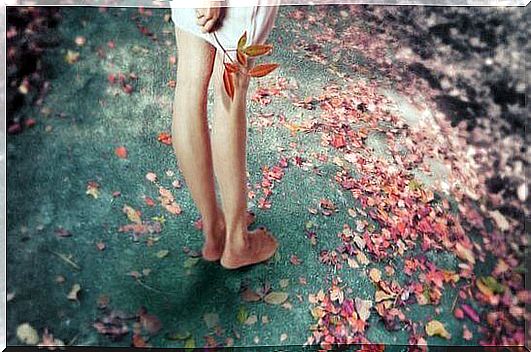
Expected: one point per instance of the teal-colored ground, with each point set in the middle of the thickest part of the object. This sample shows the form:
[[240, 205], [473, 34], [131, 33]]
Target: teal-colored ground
[[74, 143]]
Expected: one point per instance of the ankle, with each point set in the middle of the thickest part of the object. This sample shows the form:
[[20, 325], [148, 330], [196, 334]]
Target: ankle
[[213, 227], [235, 243], [236, 225]]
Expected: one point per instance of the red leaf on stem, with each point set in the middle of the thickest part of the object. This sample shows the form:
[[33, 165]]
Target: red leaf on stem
[[232, 68], [240, 56], [242, 41], [228, 83], [258, 50], [262, 70]]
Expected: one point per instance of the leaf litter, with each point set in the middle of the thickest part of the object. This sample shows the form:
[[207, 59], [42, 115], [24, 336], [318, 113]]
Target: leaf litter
[[403, 214]]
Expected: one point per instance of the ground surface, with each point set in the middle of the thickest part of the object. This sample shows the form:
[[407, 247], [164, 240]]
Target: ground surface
[[333, 139]]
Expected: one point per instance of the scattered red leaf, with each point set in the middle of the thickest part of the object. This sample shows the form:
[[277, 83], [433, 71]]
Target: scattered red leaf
[[111, 78], [14, 128], [138, 341], [121, 152], [149, 322], [100, 246], [470, 313], [164, 138], [295, 260], [62, 232], [149, 201], [30, 122], [127, 88]]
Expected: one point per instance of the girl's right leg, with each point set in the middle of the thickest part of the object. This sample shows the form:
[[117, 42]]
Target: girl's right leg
[[190, 135], [229, 133]]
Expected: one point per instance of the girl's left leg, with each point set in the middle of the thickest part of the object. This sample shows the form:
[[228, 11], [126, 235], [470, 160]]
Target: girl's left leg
[[229, 137]]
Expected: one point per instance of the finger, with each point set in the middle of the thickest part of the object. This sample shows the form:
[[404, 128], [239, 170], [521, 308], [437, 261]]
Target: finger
[[199, 13], [201, 21], [213, 12], [201, 17], [208, 12], [208, 17], [209, 25]]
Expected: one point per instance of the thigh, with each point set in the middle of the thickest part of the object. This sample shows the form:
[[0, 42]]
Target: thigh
[[195, 58]]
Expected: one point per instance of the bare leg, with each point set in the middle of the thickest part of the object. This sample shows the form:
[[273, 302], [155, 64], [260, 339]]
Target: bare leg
[[190, 135], [229, 133]]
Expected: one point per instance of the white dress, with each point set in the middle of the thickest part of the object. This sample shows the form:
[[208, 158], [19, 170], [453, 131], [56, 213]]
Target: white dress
[[257, 21]]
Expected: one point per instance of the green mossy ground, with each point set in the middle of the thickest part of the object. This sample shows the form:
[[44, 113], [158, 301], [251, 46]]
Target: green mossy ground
[[48, 171]]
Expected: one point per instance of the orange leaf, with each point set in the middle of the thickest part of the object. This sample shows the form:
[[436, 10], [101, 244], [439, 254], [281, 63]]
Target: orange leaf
[[258, 50], [173, 208], [149, 201], [121, 152], [242, 41], [228, 83], [232, 68], [262, 70], [250, 296], [150, 323], [138, 341], [164, 138], [242, 59]]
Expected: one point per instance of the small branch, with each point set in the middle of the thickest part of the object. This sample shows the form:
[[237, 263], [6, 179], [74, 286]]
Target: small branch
[[71, 343], [146, 286], [66, 259], [221, 46], [455, 301]]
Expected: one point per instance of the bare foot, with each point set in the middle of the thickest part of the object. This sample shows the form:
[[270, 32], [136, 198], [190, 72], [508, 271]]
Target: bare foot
[[213, 246], [251, 217], [259, 246]]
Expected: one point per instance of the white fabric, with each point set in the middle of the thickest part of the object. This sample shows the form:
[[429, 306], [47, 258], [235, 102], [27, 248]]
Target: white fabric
[[256, 20]]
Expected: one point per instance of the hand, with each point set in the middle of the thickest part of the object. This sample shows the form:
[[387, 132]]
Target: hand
[[208, 18]]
